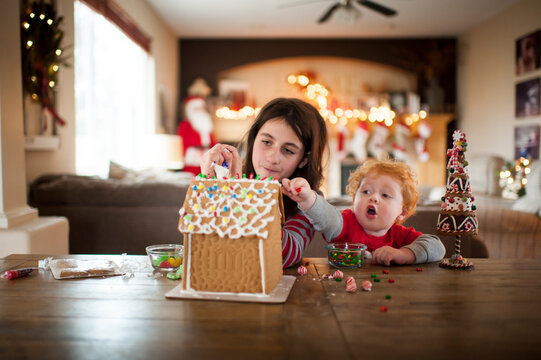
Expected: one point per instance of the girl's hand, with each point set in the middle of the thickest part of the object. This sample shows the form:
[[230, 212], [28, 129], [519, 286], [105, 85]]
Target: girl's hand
[[218, 154], [299, 190], [386, 255]]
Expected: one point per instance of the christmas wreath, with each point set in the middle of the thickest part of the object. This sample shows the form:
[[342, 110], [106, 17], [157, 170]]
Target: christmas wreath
[[42, 53]]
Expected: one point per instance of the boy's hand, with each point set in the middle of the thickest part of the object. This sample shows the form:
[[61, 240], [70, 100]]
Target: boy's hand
[[299, 190], [386, 255]]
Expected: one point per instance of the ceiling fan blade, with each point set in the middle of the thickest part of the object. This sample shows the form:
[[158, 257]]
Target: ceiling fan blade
[[377, 7], [328, 14]]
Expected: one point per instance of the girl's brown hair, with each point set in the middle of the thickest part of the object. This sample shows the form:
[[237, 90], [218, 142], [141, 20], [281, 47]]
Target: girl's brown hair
[[309, 127], [399, 171]]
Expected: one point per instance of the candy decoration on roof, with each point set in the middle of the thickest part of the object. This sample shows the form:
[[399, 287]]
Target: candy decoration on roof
[[238, 210], [457, 215]]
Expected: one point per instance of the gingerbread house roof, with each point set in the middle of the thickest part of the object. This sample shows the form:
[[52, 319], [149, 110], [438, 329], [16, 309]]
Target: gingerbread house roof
[[232, 208]]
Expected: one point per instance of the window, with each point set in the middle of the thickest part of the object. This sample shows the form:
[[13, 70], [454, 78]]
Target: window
[[114, 95]]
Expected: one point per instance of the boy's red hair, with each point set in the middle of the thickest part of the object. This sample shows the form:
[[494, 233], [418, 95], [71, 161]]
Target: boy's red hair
[[399, 171]]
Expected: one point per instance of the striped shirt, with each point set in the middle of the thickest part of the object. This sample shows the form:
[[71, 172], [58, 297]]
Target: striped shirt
[[297, 233]]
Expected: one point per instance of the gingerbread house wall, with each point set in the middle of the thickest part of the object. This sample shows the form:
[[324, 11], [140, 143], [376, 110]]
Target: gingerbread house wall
[[239, 265], [222, 264]]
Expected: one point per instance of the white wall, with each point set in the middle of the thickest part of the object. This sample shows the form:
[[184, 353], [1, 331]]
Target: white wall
[[164, 49], [486, 80]]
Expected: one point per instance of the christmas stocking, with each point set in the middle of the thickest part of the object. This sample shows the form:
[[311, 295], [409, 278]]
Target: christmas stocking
[[377, 140], [357, 145], [401, 135], [423, 133], [342, 140]]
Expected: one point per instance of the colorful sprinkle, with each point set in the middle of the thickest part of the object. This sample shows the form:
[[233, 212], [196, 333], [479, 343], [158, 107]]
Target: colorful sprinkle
[[385, 271], [383, 308], [373, 275], [387, 296], [419, 269], [376, 280], [298, 189], [391, 281]]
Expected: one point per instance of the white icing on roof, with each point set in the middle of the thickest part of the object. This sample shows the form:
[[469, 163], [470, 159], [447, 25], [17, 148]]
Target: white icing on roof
[[234, 208]]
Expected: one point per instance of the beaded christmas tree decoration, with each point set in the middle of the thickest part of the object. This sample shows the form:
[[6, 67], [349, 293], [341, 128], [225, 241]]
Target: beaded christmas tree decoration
[[457, 214]]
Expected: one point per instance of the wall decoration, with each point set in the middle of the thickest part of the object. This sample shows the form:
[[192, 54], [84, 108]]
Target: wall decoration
[[42, 55], [527, 98], [234, 93], [527, 142], [527, 53]]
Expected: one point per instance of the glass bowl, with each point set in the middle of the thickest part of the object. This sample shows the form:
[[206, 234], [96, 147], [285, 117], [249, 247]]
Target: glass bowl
[[166, 257], [345, 255]]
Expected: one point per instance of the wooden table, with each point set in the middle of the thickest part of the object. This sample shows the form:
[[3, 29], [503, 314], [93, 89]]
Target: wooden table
[[492, 312]]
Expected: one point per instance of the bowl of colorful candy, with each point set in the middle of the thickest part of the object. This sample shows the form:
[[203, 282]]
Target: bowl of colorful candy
[[166, 257], [345, 255]]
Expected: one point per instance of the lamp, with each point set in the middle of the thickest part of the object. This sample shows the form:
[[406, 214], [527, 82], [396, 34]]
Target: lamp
[[165, 152], [347, 14]]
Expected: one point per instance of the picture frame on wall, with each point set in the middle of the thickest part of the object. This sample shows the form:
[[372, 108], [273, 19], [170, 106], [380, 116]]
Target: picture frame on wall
[[527, 98], [527, 142], [527, 53]]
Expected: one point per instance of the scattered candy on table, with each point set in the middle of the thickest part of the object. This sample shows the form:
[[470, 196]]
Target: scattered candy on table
[[338, 275], [302, 270], [383, 308], [175, 275], [419, 269], [366, 285], [351, 285], [387, 296], [391, 281]]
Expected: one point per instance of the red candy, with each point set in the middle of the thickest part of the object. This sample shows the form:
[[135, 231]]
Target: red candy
[[383, 308], [419, 269], [302, 270], [366, 285], [351, 285], [391, 281], [298, 189], [385, 271], [338, 274], [165, 264]]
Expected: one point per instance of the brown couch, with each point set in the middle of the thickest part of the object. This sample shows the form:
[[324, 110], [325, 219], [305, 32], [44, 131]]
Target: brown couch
[[111, 216]]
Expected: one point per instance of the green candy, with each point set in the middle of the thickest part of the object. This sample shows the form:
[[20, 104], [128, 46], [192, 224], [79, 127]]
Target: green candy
[[175, 275]]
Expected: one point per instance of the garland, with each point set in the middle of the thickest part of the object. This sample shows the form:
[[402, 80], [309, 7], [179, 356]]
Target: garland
[[42, 54]]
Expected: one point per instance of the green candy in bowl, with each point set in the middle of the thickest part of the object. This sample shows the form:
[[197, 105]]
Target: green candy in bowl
[[345, 255], [166, 257]]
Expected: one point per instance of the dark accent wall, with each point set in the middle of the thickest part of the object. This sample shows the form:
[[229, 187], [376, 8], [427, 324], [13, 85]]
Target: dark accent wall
[[206, 58]]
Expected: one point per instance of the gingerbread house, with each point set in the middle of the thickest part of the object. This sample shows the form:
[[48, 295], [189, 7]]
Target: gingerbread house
[[232, 235]]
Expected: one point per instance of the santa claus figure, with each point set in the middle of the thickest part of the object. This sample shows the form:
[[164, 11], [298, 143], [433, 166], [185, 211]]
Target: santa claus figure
[[196, 133]]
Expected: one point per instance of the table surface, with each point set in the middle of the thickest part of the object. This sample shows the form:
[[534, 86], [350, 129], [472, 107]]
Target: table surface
[[491, 312]]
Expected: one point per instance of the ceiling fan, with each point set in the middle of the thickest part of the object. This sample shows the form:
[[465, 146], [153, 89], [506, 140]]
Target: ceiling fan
[[348, 6]]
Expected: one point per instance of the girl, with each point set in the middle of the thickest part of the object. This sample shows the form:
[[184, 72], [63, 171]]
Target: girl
[[287, 139]]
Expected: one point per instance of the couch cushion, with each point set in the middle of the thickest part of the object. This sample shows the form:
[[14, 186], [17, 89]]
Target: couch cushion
[[73, 190]]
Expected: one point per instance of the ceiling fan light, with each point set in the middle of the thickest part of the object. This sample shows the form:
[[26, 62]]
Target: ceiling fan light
[[347, 14]]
